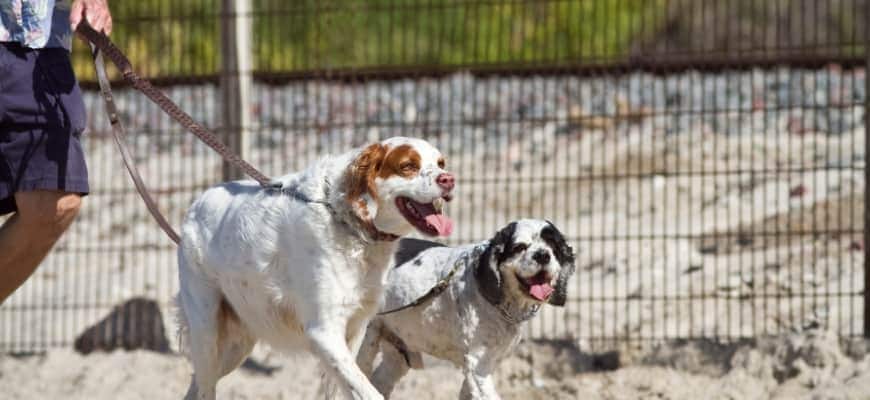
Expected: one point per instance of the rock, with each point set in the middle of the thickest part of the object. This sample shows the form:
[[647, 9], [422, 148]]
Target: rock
[[744, 239], [748, 280], [630, 113], [797, 191], [693, 268], [637, 293], [708, 248], [135, 324]]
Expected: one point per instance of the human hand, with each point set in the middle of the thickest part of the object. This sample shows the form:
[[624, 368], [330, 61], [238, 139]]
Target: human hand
[[96, 12]]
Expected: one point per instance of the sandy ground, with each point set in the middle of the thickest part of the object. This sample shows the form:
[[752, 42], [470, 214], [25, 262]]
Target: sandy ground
[[812, 365]]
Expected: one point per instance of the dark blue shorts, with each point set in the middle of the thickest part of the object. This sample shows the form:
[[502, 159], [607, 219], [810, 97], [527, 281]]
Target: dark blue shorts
[[42, 116]]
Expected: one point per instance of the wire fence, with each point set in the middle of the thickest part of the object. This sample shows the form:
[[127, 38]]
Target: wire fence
[[706, 158]]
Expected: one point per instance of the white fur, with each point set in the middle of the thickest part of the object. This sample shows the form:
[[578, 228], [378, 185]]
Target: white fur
[[297, 275], [459, 325]]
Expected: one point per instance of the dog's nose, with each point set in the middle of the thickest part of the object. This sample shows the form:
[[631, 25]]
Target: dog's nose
[[541, 257], [446, 181]]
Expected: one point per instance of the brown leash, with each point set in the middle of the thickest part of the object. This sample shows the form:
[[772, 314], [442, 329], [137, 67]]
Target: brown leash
[[120, 135], [433, 292], [442, 284], [100, 45], [105, 46]]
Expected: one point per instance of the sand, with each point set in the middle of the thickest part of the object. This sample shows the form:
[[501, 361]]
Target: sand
[[810, 365]]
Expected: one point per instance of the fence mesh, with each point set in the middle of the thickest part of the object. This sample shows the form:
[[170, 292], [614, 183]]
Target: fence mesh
[[706, 158]]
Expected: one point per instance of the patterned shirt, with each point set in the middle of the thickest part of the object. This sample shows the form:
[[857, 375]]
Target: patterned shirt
[[36, 23]]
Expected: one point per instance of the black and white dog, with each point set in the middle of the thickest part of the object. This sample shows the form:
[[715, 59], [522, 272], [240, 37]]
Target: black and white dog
[[498, 285]]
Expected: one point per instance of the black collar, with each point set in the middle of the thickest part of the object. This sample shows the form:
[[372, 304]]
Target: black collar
[[369, 227]]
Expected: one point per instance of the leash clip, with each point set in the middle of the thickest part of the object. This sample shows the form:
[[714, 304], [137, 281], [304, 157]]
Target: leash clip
[[273, 185]]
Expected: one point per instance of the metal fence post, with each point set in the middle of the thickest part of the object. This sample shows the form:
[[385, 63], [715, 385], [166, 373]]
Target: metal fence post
[[866, 174], [236, 79]]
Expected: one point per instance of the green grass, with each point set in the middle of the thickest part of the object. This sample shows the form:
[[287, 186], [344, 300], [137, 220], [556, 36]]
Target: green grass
[[389, 33], [172, 38]]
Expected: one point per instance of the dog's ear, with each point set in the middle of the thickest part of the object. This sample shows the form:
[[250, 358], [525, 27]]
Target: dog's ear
[[560, 293], [488, 271], [565, 255], [359, 181]]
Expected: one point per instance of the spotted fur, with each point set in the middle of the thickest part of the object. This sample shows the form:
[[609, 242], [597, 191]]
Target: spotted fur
[[474, 323]]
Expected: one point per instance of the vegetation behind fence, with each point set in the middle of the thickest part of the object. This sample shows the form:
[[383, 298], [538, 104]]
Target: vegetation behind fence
[[166, 38]]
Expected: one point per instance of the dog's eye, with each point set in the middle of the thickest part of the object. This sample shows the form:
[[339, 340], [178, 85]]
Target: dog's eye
[[441, 163], [519, 247], [408, 166]]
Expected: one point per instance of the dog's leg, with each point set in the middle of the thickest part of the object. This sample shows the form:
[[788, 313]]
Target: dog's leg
[[478, 388], [369, 349], [330, 346], [218, 351], [234, 346], [478, 384], [356, 332], [393, 367], [200, 303]]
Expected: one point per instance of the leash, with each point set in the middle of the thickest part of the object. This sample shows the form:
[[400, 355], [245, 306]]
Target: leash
[[431, 294], [120, 135], [101, 45], [442, 284], [412, 358]]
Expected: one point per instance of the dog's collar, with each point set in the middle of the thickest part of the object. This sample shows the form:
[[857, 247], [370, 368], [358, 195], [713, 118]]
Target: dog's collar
[[377, 234], [293, 192], [511, 318]]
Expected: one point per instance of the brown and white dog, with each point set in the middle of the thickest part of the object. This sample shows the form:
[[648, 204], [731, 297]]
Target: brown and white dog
[[303, 267]]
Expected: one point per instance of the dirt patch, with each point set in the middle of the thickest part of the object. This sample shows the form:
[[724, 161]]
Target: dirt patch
[[831, 219]]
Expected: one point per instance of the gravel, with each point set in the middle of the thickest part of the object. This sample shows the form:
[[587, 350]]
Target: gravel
[[826, 101]]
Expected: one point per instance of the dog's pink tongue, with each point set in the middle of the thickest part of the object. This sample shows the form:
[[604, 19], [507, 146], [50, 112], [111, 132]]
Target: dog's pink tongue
[[541, 291], [441, 223]]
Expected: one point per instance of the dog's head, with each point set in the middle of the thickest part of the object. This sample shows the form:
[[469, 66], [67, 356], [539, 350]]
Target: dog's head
[[400, 184], [528, 260]]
